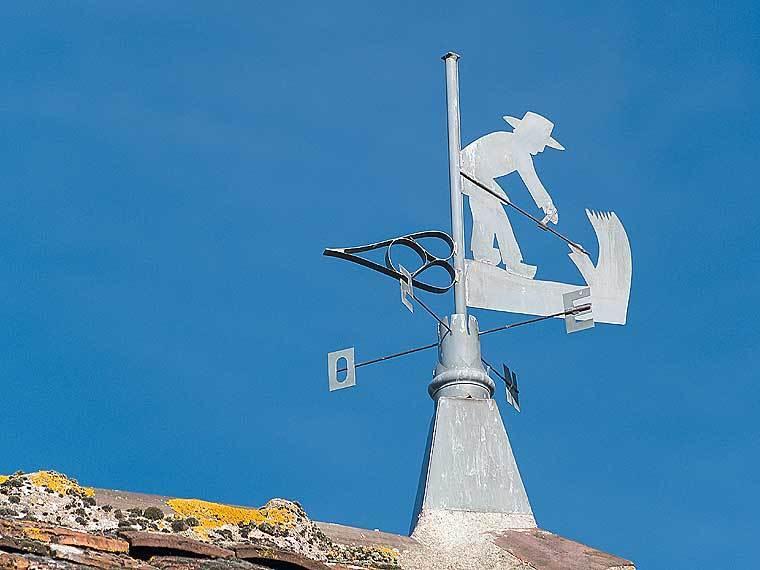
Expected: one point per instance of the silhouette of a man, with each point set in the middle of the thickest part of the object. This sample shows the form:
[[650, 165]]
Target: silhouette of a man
[[498, 154]]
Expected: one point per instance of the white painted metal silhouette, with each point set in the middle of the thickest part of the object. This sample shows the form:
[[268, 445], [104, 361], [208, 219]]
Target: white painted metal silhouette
[[490, 287], [495, 155], [513, 288]]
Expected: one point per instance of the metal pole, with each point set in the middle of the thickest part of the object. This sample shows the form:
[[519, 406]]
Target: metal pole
[[455, 180]]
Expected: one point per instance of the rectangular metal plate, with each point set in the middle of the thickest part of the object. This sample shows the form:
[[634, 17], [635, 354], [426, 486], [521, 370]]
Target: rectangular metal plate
[[513, 393], [579, 321], [333, 361], [407, 289]]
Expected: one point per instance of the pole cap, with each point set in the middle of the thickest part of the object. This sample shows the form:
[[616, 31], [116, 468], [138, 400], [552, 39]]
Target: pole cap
[[450, 54]]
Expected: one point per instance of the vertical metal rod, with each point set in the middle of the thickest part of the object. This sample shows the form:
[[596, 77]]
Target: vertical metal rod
[[455, 179]]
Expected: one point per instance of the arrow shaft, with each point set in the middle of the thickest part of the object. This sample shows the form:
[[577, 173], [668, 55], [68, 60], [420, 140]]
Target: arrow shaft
[[576, 310], [392, 356], [540, 224]]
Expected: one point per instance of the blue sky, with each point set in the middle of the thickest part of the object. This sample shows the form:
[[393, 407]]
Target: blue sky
[[172, 170]]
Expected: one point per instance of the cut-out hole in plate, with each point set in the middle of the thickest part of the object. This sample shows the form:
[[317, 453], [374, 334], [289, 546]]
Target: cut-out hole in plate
[[341, 369]]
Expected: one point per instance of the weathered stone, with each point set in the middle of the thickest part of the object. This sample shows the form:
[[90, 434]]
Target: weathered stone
[[51, 544], [95, 559], [256, 554], [23, 545], [547, 551], [183, 563], [153, 543], [13, 562], [60, 535]]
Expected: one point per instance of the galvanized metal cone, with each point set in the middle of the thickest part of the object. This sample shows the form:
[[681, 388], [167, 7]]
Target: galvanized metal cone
[[470, 483]]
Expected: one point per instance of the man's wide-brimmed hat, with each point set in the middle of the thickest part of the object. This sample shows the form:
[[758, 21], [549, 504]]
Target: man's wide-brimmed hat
[[533, 124]]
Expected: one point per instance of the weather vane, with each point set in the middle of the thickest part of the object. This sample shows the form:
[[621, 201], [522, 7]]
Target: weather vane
[[497, 277]]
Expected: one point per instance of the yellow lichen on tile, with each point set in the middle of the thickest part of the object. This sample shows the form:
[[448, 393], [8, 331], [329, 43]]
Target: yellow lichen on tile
[[391, 553], [213, 515], [59, 483], [36, 534], [361, 555], [3, 479]]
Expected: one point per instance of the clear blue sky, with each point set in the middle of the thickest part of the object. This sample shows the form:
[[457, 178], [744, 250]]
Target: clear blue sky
[[172, 170]]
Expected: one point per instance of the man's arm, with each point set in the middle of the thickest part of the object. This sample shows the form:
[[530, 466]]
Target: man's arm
[[541, 197]]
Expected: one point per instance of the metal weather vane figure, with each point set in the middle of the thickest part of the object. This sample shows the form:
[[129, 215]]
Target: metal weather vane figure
[[513, 288], [470, 481], [495, 155], [482, 282]]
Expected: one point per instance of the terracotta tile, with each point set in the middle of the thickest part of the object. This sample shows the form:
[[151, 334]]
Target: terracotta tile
[[13, 562], [546, 551], [153, 541], [183, 563], [48, 533], [254, 553], [23, 545], [96, 559]]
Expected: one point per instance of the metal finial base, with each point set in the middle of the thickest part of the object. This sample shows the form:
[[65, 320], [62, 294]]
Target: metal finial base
[[469, 480], [460, 371]]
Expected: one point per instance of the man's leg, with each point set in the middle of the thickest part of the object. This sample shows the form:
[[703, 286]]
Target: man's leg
[[510, 250], [483, 231]]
